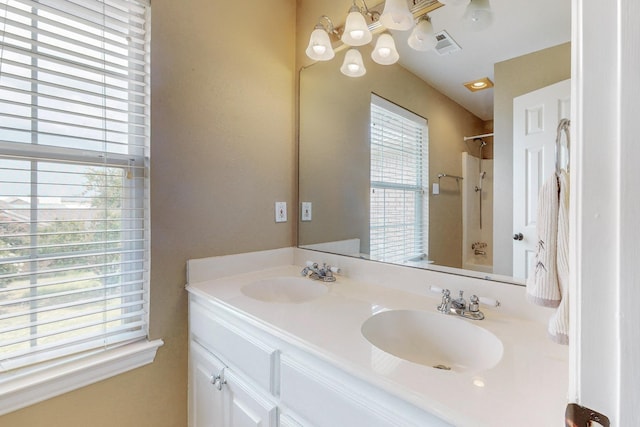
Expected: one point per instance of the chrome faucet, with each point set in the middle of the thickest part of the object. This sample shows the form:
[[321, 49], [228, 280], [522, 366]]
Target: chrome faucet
[[324, 273], [460, 307], [460, 303]]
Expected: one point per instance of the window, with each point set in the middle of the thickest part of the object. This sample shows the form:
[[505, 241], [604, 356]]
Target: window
[[74, 136], [399, 169]]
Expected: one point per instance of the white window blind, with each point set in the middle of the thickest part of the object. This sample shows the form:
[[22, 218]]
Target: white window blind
[[74, 135], [399, 169]]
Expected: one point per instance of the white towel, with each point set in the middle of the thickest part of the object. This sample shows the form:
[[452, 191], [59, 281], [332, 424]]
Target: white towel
[[542, 284], [559, 322]]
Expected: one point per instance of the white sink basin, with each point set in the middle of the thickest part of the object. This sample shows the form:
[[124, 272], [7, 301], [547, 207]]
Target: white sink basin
[[433, 339], [285, 289]]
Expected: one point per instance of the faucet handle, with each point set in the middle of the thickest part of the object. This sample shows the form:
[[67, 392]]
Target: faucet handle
[[446, 299], [334, 269], [439, 290], [329, 270], [489, 301], [474, 304]]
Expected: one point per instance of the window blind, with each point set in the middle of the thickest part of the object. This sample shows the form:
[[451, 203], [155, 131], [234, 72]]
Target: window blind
[[399, 167], [74, 141]]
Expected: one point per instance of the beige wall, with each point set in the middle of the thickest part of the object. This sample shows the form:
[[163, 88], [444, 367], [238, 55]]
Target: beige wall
[[335, 152], [513, 78], [223, 151]]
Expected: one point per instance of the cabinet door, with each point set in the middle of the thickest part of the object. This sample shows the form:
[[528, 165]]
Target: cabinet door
[[206, 402], [247, 406], [228, 402]]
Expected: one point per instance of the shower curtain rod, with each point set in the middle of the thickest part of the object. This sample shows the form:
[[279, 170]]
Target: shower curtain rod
[[466, 138]]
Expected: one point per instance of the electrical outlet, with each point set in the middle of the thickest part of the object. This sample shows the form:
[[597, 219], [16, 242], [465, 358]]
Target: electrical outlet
[[281, 211], [305, 211]]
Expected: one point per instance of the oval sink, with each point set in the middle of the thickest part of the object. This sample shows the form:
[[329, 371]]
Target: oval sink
[[285, 289], [433, 339]]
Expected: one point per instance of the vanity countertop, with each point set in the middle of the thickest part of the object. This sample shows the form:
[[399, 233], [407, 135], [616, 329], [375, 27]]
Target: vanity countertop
[[526, 388]]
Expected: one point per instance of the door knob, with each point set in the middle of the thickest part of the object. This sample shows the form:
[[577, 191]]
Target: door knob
[[518, 236]]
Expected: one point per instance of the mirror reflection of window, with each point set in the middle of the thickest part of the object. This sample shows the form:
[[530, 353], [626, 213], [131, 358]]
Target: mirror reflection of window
[[399, 202]]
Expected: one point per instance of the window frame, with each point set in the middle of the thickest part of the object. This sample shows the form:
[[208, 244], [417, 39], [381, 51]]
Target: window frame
[[26, 384], [418, 189]]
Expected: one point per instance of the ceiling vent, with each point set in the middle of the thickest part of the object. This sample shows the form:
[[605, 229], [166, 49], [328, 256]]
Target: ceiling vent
[[446, 44]]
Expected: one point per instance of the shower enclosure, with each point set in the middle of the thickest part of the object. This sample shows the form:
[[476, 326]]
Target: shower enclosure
[[477, 208]]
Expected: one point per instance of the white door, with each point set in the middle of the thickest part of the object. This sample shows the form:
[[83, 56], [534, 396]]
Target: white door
[[535, 120]]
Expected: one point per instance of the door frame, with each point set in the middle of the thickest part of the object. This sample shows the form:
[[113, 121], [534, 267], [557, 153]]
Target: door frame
[[605, 286]]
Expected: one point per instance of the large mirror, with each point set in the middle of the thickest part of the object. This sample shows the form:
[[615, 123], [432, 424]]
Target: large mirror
[[463, 213]]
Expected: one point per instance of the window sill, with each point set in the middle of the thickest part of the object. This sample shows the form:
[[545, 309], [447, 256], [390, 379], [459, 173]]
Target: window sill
[[35, 385]]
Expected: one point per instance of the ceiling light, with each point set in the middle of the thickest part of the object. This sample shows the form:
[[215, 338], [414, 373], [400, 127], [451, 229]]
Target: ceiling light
[[396, 15], [353, 65], [356, 31], [478, 15], [320, 48], [478, 382], [479, 84], [385, 52], [422, 37]]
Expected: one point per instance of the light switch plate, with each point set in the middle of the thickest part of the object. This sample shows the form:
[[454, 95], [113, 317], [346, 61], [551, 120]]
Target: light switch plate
[[281, 211], [305, 211]]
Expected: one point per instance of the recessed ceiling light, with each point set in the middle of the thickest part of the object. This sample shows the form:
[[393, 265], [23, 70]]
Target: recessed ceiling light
[[478, 382], [480, 84]]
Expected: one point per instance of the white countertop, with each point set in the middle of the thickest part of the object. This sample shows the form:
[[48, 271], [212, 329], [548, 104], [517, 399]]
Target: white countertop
[[526, 388]]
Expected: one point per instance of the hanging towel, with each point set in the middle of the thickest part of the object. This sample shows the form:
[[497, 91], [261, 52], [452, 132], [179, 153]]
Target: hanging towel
[[559, 322], [542, 284]]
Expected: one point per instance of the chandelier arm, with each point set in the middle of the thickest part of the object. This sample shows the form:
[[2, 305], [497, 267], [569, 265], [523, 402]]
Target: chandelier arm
[[330, 28], [373, 14]]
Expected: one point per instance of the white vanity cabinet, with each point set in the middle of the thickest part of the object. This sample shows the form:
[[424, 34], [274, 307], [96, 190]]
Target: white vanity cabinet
[[206, 402], [265, 380], [218, 397], [236, 391], [306, 362]]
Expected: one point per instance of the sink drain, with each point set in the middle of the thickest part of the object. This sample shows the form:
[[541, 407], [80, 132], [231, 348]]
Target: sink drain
[[443, 367]]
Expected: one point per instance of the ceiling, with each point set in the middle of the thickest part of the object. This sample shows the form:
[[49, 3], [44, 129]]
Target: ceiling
[[519, 27]]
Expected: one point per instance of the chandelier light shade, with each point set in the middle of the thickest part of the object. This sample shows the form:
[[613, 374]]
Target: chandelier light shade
[[353, 65], [320, 48], [396, 15], [356, 30], [478, 15], [422, 37], [385, 52]]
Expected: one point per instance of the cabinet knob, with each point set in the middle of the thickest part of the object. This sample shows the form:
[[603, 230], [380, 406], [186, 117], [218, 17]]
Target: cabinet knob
[[218, 380], [518, 236]]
